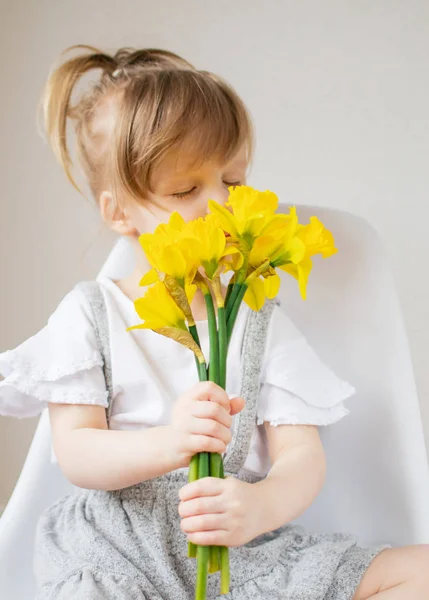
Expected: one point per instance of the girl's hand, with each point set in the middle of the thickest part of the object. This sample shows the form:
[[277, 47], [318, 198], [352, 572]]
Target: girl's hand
[[220, 512], [201, 422]]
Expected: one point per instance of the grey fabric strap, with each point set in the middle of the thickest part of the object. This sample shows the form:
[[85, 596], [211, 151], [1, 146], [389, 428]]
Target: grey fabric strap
[[94, 295], [252, 354]]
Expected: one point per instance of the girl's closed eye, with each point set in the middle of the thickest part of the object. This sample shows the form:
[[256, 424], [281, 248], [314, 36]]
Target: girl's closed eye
[[192, 190], [184, 194]]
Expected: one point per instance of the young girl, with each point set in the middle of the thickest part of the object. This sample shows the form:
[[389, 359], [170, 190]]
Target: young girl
[[154, 135]]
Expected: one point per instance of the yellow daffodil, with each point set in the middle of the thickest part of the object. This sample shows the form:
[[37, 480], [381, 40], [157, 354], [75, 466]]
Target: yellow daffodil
[[179, 259], [317, 240], [160, 312], [157, 309], [252, 215], [252, 211], [258, 289], [278, 246], [173, 229], [213, 248], [247, 202], [279, 243], [289, 248], [168, 252]]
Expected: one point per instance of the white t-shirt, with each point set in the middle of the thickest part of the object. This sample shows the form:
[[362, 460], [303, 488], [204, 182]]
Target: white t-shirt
[[62, 364]]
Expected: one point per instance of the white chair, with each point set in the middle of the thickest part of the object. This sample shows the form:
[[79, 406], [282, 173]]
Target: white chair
[[378, 484]]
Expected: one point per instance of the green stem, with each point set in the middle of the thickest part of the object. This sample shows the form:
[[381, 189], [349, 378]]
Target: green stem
[[202, 371], [235, 309], [194, 463], [215, 471], [228, 293], [212, 558], [214, 346], [203, 552], [223, 346], [231, 299], [193, 476], [224, 557], [194, 332], [215, 464]]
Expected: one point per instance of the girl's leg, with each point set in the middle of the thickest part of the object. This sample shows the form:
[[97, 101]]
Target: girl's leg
[[397, 574]]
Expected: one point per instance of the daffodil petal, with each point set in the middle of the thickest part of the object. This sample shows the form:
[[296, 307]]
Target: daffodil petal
[[172, 262], [225, 218], [190, 290], [272, 286], [182, 337], [176, 221], [159, 308], [267, 201], [301, 273], [255, 294], [304, 269], [149, 278], [140, 326], [297, 250]]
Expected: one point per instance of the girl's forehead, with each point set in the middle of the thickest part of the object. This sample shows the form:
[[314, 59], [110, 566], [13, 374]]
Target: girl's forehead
[[179, 164]]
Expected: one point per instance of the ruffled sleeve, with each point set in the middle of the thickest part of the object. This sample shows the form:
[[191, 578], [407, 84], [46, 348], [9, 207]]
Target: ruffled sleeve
[[60, 364], [297, 388]]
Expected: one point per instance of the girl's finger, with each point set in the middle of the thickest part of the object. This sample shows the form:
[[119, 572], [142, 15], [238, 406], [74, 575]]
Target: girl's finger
[[212, 410], [200, 506], [204, 443], [210, 428], [208, 486], [208, 390], [214, 522], [210, 538], [237, 405]]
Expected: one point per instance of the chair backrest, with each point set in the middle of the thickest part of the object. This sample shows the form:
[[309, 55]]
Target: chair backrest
[[378, 484]]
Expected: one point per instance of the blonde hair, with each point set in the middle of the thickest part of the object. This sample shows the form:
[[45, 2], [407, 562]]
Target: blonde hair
[[146, 103]]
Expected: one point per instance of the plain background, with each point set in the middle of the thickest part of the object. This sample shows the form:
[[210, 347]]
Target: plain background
[[339, 93]]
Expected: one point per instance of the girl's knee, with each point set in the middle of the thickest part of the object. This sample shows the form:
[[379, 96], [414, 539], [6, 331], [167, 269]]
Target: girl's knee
[[394, 567]]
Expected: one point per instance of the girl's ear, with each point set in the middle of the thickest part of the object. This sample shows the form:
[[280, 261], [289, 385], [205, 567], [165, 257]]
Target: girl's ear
[[115, 217]]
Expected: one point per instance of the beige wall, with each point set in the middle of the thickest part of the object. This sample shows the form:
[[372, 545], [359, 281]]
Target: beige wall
[[339, 91]]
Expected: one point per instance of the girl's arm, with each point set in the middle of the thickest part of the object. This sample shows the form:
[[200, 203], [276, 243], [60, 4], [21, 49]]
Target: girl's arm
[[95, 457], [92, 456], [296, 477], [231, 512]]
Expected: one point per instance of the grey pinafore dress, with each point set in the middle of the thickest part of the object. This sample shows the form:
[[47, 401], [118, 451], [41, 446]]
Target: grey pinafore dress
[[128, 545]]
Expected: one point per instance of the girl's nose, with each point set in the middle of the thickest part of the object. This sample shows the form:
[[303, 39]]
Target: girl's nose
[[218, 193]]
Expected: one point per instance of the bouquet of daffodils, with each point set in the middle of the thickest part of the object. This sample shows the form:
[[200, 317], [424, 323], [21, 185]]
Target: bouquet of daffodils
[[249, 238]]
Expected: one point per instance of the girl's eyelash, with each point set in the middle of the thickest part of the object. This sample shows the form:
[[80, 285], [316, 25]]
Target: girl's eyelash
[[184, 194], [189, 192], [233, 183]]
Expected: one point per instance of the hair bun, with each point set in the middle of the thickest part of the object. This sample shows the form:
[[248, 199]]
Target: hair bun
[[129, 60]]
